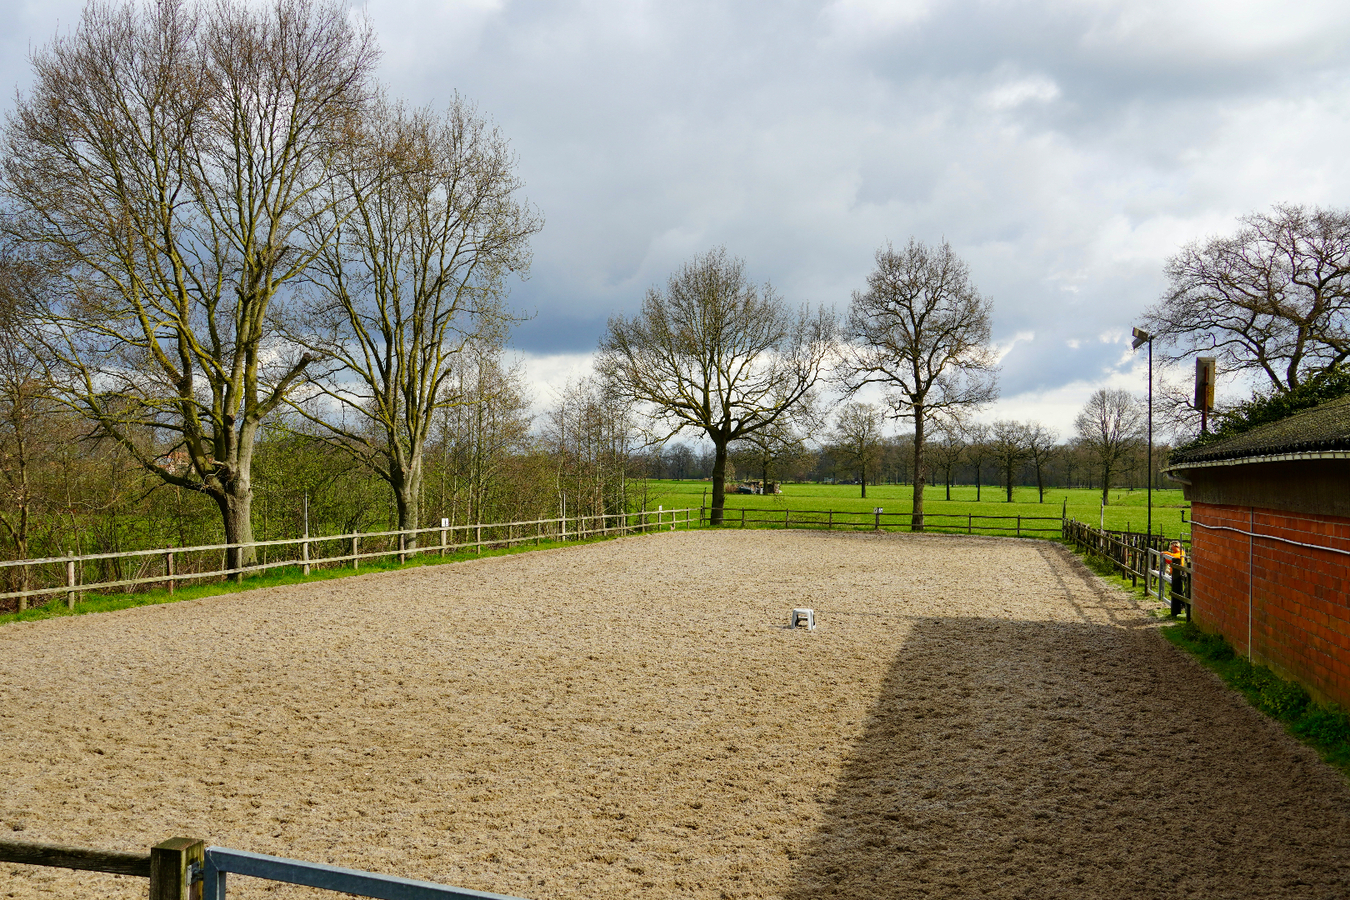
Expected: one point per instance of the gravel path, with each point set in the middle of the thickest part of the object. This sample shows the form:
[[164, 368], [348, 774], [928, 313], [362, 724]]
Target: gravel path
[[973, 716]]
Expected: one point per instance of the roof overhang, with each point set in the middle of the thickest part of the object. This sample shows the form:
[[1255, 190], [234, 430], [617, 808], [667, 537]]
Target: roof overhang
[[1300, 456]]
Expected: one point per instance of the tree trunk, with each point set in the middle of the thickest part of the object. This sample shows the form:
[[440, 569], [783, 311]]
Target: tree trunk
[[236, 507], [978, 467], [916, 517], [1040, 485], [863, 479], [408, 498], [1009, 473], [719, 480], [1106, 485]]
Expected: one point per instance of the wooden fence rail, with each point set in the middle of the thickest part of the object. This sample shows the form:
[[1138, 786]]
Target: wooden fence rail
[[1136, 555], [64, 575], [946, 523]]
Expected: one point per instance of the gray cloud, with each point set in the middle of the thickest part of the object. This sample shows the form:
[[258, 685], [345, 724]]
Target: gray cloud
[[1064, 148]]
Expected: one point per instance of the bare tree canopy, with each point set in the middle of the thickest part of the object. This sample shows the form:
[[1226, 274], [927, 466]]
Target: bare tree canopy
[[425, 228], [1042, 446], [167, 163], [1110, 423], [921, 330], [856, 439], [717, 354], [1273, 298], [1010, 445]]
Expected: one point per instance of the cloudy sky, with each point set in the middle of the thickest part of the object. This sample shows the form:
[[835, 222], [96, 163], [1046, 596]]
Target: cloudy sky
[[1065, 149]]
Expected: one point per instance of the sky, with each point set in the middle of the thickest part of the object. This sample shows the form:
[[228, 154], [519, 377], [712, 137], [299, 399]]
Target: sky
[[1064, 149]]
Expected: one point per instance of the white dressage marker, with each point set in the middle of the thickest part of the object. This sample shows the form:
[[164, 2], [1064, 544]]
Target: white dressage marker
[[801, 615]]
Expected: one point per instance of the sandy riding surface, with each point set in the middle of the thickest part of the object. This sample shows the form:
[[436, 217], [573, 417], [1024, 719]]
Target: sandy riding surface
[[633, 719]]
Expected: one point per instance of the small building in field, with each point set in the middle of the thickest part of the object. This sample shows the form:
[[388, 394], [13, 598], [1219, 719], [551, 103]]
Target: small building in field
[[1271, 544]]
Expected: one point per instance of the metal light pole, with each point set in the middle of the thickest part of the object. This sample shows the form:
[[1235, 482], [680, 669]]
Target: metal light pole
[[1142, 337]]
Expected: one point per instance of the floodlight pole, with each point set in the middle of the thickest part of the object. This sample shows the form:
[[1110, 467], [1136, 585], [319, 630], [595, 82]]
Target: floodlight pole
[[1143, 337]]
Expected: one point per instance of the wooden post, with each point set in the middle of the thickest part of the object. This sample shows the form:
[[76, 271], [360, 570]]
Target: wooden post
[[829, 526], [742, 516], [356, 551], [442, 542], [402, 548], [787, 514], [876, 526], [168, 569], [478, 545], [70, 582], [970, 523], [304, 555], [1019, 526], [176, 869]]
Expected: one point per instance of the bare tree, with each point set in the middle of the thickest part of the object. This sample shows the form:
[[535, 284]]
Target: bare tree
[[1273, 298], [856, 439], [921, 330], [1109, 424], [1042, 447], [715, 353], [978, 452], [167, 162], [414, 277], [948, 449], [1010, 446]]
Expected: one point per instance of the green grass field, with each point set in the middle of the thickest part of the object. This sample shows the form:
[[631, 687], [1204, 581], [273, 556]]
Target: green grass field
[[1126, 509]]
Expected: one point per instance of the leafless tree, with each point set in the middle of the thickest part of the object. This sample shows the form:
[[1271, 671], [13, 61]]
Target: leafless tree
[[1273, 298], [1042, 447], [947, 449], [856, 439], [921, 330], [426, 226], [715, 353], [1110, 423], [167, 162], [1010, 446], [978, 452]]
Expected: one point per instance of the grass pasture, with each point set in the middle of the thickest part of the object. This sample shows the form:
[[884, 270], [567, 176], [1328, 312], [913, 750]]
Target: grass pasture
[[633, 718], [1126, 509]]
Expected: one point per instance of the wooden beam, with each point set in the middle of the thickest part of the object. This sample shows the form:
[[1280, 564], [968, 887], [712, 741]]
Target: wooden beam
[[114, 863]]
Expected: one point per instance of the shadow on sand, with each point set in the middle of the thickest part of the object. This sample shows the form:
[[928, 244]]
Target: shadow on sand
[[1036, 759]]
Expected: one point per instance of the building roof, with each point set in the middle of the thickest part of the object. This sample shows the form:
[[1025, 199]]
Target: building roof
[[1322, 431]]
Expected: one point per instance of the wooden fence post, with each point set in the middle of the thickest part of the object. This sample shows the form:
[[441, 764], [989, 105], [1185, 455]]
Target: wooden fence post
[[70, 581], [304, 555], [168, 570], [442, 541], [478, 545], [176, 869], [402, 548], [356, 551]]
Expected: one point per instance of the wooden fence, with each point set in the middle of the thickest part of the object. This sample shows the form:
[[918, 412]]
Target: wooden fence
[[1136, 556], [168, 566], [878, 520]]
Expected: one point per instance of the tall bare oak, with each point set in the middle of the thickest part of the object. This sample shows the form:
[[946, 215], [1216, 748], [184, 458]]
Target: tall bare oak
[[167, 164], [427, 227], [715, 353], [921, 331]]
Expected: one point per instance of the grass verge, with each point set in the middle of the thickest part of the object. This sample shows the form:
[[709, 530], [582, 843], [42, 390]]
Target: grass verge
[[95, 603], [1324, 728]]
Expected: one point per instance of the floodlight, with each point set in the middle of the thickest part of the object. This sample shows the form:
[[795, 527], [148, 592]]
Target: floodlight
[[1141, 337]]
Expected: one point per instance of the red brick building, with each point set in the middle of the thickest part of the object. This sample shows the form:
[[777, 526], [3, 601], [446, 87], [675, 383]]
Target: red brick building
[[1271, 544]]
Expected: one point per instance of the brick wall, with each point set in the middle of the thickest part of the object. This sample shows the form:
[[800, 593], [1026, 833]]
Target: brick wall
[[1286, 606]]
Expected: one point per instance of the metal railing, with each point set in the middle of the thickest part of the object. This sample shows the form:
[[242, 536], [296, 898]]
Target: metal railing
[[177, 867], [164, 566], [879, 520]]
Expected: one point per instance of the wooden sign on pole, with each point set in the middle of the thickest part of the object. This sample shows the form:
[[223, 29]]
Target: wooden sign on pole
[[1204, 388]]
